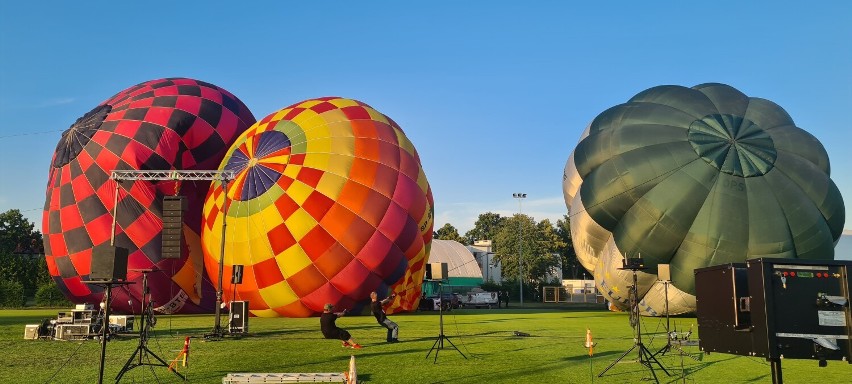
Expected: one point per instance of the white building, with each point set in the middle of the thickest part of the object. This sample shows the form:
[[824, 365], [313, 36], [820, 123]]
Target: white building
[[483, 252], [484, 255]]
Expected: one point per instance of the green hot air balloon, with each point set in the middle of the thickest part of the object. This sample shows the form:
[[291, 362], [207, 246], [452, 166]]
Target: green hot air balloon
[[695, 177]]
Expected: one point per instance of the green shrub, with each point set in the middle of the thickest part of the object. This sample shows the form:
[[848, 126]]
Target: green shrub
[[49, 295], [11, 294], [491, 286]]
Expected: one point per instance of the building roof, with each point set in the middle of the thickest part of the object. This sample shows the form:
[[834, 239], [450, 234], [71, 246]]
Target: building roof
[[460, 261]]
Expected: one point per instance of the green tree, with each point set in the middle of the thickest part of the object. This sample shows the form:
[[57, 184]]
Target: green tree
[[11, 294], [42, 276], [547, 247], [486, 227], [49, 295], [536, 242], [570, 265], [17, 233], [448, 232], [21, 253]]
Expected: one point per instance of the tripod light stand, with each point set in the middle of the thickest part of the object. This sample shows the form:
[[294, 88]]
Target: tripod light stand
[[665, 277], [107, 285], [439, 342], [147, 321], [646, 358]]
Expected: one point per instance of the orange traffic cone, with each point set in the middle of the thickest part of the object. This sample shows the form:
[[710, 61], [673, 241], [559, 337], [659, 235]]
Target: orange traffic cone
[[589, 342]]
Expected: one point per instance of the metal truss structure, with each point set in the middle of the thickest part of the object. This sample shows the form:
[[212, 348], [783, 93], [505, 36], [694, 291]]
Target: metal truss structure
[[225, 176]]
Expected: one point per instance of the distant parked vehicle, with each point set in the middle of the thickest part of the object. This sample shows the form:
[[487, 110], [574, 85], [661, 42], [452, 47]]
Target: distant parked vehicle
[[433, 303], [480, 299]]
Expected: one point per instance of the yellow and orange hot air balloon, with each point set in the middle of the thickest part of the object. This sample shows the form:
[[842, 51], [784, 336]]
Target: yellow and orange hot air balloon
[[329, 203]]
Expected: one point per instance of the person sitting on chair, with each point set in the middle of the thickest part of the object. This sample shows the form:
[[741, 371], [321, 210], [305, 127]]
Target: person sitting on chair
[[377, 306], [330, 330]]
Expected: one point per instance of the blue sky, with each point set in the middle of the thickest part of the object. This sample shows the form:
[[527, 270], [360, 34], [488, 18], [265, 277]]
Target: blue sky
[[493, 94]]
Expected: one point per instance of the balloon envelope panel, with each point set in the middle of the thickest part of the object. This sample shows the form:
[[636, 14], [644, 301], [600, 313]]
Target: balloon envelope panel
[[329, 203], [694, 177], [165, 124]]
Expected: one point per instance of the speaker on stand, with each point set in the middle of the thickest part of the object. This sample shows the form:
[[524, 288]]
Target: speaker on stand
[[109, 263], [238, 314], [236, 279], [439, 274], [108, 268], [439, 271]]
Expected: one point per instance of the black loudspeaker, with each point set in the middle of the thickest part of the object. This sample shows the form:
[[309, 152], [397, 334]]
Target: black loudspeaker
[[108, 263], [238, 317], [237, 274], [173, 207], [776, 308], [439, 271]]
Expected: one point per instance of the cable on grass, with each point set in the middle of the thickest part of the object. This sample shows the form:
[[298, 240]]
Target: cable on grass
[[65, 363], [756, 360], [458, 332], [151, 368]]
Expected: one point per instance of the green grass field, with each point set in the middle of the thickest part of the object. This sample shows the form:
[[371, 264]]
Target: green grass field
[[553, 352]]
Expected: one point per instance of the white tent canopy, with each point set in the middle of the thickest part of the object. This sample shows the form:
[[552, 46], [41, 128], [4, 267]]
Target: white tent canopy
[[460, 261]]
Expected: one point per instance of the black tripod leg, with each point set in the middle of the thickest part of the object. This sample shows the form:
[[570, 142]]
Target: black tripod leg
[[456, 348], [434, 347], [128, 366], [663, 350], [163, 363], [151, 353], [617, 360], [654, 359], [661, 366], [646, 361], [440, 344]]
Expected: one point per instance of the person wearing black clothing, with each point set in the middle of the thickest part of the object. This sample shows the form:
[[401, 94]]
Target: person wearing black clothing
[[330, 330], [377, 306]]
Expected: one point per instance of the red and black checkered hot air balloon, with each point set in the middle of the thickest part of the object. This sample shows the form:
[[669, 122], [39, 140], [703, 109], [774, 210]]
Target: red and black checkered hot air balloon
[[165, 124]]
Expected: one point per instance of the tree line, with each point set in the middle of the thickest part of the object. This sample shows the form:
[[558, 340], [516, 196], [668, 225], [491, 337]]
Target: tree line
[[24, 277], [542, 246]]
